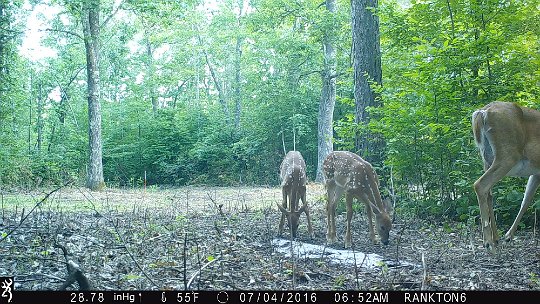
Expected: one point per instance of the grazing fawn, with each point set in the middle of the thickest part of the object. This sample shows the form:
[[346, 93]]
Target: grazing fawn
[[293, 186], [346, 172]]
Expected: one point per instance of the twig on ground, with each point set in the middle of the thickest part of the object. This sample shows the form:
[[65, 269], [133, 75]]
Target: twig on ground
[[76, 275], [131, 255], [424, 277], [356, 267], [184, 258], [194, 275], [218, 207]]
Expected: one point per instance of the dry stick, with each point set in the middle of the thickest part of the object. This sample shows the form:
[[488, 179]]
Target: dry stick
[[215, 204], [194, 275], [184, 261], [22, 216], [115, 225], [35, 206], [534, 228], [393, 195], [398, 246], [74, 272], [400, 233], [198, 261], [187, 200], [356, 266], [424, 279], [131, 255], [293, 258]]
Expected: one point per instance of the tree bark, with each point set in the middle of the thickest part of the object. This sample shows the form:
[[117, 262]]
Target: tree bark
[[367, 68], [39, 118], [90, 16], [221, 94], [151, 71], [328, 97], [237, 68], [237, 80]]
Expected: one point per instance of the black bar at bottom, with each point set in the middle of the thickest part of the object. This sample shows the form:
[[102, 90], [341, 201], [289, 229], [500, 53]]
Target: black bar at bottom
[[266, 296]]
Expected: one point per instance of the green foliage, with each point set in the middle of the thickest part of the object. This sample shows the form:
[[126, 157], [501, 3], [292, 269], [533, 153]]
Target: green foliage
[[438, 68]]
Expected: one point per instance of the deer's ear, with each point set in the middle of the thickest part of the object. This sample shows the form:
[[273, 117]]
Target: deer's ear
[[388, 206]]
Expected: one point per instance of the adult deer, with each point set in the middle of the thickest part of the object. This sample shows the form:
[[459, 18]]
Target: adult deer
[[508, 137], [346, 172], [293, 187]]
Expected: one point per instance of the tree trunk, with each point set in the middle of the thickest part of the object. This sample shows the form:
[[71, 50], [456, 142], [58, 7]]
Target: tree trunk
[[237, 84], [90, 23], [39, 117], [328, 97], [151, 72], [367, 68], [221, 94], [237, 68]]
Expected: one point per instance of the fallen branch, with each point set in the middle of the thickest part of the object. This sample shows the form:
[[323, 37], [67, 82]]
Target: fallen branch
[[76, 275]]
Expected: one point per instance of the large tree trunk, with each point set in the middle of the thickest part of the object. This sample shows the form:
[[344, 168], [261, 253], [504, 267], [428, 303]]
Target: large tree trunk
[[328, 97], [367, 68], [90, 23]]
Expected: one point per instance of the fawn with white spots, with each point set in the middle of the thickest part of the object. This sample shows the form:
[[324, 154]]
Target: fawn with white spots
[[293, 187], [347, 173]]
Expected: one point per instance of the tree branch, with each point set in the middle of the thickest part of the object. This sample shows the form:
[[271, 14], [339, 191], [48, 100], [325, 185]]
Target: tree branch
[[63, 31], [111, 15]]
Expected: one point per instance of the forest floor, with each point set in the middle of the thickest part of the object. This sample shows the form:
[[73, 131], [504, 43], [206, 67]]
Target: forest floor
[[226, 238]]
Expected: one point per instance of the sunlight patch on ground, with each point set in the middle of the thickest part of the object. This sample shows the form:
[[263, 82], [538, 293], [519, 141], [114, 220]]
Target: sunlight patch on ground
[[336, 256]]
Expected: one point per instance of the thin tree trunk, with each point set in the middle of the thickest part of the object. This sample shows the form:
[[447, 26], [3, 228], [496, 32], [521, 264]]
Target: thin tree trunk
[[488, 52], [367, 68], [151, 72], [237, 80], [30, 120], [90, 23], [328, 97], [221, 94], [237, 68], [39, 117]]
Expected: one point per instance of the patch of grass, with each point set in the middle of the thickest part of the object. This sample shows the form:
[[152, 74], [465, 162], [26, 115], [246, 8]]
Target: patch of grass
[[339, 281]]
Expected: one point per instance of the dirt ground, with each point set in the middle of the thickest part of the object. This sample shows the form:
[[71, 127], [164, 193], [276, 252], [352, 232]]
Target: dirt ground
[[221, 238]]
